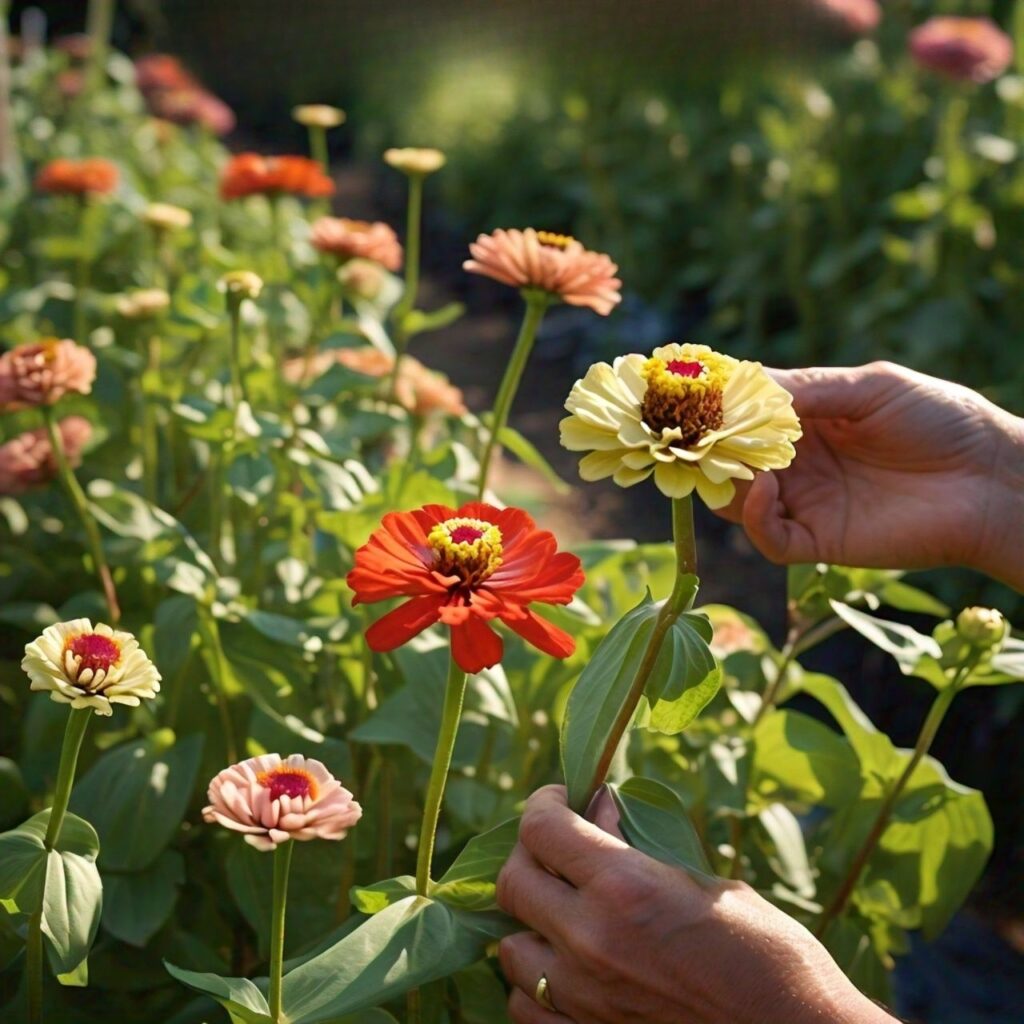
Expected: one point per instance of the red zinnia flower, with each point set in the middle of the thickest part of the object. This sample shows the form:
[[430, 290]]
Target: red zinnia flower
[[77, 177], [464, 567], [249, 174]]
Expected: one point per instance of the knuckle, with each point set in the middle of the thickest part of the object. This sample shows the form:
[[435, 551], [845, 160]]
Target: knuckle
[[508, 956], [505, 888], [533, 827]]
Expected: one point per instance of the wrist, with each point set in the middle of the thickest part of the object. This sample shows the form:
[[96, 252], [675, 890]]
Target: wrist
[[1001, 554]]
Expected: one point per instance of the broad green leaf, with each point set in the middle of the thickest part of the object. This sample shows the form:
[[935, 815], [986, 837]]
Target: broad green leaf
[[175, 623], [788, 855], [654, 820], [372, 899], [137, 903], [599, 697], [31, 616], [251, 477], [239, 996], [482, 996], [137, 794], [470, 882], [13, 795]]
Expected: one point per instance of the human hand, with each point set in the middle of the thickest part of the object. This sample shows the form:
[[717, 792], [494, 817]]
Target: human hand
[[624, 939], [895, 470]]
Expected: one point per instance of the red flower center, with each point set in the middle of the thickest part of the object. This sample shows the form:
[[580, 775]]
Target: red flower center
[[97, 652], [290, 782], [684, 368], [465, 534], [467, 548]]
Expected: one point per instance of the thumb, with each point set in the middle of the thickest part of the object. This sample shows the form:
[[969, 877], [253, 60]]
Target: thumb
[[767, 523]]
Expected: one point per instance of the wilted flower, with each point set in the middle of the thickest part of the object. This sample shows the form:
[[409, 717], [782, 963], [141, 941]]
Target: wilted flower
[[241, 284], [415, 161], [857, 17], [692, 417], [143, 304], [361, 278], [93, 176], [90, 666], [464, 567], [272, 801], [318, 115], [249, 174], [552, 263], [366, 240], [165, 217], [28, 460], [43, 372], [981, 627], [966, 49]]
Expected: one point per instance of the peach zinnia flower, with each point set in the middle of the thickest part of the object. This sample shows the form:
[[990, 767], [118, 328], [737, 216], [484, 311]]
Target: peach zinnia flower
[[464, 567], [161, 71], [93, 176], [272, 801], [28, 461], [551, 263], [966, 49], [249, 174], [358, 239], [856, 16], [43, 372]]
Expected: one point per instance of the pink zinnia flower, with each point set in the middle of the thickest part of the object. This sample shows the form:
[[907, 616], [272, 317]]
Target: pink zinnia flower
[[272, 801], [43, 372], [193, 105], [358, 239], [856, 16], [552, 263], [966, 49], [27, 460]]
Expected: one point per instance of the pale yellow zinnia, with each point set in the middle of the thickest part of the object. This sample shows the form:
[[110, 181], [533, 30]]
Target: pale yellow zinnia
[[696, 419]]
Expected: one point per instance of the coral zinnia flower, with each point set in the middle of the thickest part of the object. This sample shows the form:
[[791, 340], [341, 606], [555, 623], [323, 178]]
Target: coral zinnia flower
[[556, 264], [463, 568], [693, 417], [855, 16], [90, 666], [43, 372], [359, 239], [159, 71], [249, 174], [93, 176], [272, 801], [28, 460], [967, 49]]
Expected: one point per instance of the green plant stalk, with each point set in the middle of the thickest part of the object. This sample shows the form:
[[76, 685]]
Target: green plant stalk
[[150, 437], [924, 741], [406, 304], [211, 636], [536, 306], [74, 733], [683, 593], [99, 24], [282, 864], [238, 392], [455, 692], [79, 313], [81, 505]]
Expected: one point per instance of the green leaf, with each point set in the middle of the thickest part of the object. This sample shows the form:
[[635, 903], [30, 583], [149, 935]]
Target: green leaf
[[239, 996], [13, 795], [174, 624], [654, 820], [251, 476], [685, 678], [137, 794], [599, 696], [529, 455], [417, 322], [470, 881], [137, 903], [788, 856]]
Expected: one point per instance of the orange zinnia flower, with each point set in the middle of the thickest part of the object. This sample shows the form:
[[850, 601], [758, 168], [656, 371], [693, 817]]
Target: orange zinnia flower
[[350, 239], [77, 177], [463, 568], [551, 263], [249, 174]]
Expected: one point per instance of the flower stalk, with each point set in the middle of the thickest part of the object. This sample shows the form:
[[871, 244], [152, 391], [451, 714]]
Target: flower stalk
[[81, 505], [282, 866], [99, 24], [413, 234], [455, 692], [536, 306]]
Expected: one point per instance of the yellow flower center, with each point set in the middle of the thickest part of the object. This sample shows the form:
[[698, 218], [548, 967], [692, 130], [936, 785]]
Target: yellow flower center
[[554, 240], [88, 659], [684, 394], [467, 548], [288, 781]]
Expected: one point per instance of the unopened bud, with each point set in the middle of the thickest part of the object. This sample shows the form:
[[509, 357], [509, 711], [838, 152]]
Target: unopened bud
[[241, 284], [981, 627]]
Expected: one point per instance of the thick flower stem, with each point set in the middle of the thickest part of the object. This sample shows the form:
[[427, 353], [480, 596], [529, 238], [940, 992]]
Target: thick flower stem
[[81, 504], [455, 691], [681, 598], [282, 864], [924, 741], [413, 233], [536, 307], [74, 733], [99, 24], [238, 392]]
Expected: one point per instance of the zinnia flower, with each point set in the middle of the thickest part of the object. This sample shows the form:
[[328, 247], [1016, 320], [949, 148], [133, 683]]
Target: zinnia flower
[[692, 417], [93, 176], [415, 161], [90, 666], [161, 71], [43, 372], [241, 284], [318, 115], [272, 801], [359, 239], [552, 263], [143, 303], [194, 105], [28, 461], [966, 49], [249, 174], [166, 217], [361, 278], [856, 16], [464, 567]]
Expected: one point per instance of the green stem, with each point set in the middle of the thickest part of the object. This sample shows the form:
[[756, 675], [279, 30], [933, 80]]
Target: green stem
[[454, 693], [924, 741], [536, 306], [74, 733], [150, 437], [318, 145], [79, 313], [211, 636], [413, 234], [282, 862], [238, 392], [81, 504], [99, 25], [683, 593]]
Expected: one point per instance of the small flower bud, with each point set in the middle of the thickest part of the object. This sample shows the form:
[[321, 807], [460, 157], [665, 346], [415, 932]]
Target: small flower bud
[[241, 284], [415, 161], [318, 115], [981, 627], [361, 278]]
